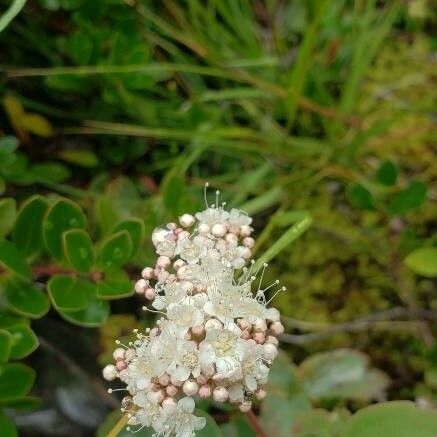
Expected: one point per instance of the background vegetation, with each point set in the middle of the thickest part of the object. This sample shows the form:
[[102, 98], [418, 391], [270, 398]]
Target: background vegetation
[[114, 115]]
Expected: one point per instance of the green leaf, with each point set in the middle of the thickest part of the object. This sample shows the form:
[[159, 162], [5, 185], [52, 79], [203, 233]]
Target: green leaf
[[2, 186], [79, 249], [16, 380], [24, 341], [411, 198], [115, 250], [61, 217], [8, 214], [319, 423], [282, 377], [359, 197], [27, 233], [278, 414], [8, 145], [68, 293], [25, 403], [172, 191], [26, 299], [5, 345], [135, 227], [115, 286], [238, 427], [211, 428], [49, 172], [7, 426], [423, 261], [94, 314], [387, 173], [392, 419], [83, 158], [13, 260], [341, 374]]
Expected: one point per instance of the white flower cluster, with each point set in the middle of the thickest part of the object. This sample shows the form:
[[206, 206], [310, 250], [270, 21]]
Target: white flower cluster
[[216, 337]]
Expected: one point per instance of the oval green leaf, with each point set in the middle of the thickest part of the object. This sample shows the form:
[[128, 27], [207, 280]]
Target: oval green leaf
[[423, 261], [360, 197], [115, 250], [68, 293], [27, 234], [8, 214], [24, 341], [61, 217], [26, 299], [94, 314], [7, 427], [16, 380], [411, 198], [392, 419], [13, 259], [387, 173], [116, 285], [136, 229], [78, 249], [5, 345]]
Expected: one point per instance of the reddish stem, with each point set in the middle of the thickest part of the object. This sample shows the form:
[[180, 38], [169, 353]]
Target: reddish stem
[[254, 423]]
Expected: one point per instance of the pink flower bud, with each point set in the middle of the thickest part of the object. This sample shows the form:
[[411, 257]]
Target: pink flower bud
[[205, 391], [119, 354], [140, 286], [150, 294], [171, 390]]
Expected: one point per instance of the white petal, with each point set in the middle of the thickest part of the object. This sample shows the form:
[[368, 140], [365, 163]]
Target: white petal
[[187, 404]]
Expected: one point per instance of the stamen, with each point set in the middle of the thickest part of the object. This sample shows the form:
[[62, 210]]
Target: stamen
[[205, 187]]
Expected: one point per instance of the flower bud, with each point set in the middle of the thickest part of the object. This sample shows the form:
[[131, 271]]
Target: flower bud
[[218, 230], [190, 388], [110, 372], [203, 228], [205, 391], [270, 351], [220, 394], [245, 230], [249, 242], [171, 390], [186, 220], [119, 354], [163, 261], [168, 401], [147, 273], [277, 328], [141, 285]]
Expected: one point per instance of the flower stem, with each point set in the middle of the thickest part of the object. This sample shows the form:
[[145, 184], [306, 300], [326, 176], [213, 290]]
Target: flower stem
[[118, 426], [254, 423]]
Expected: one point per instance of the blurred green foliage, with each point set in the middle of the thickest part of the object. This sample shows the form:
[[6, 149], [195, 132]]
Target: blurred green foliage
[[116, 112]]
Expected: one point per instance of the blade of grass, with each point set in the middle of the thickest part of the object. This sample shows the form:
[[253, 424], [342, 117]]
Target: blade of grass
[[13, 10], [296, 82], [285, 240], [369, 40]]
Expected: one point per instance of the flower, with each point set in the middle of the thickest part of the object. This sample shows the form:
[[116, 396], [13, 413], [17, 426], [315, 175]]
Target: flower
[[184, 317], [192, 250], [215, 337], [212, 216], [168, 294], [179, 419], [186, 362], [221, 347], [238, 218]]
